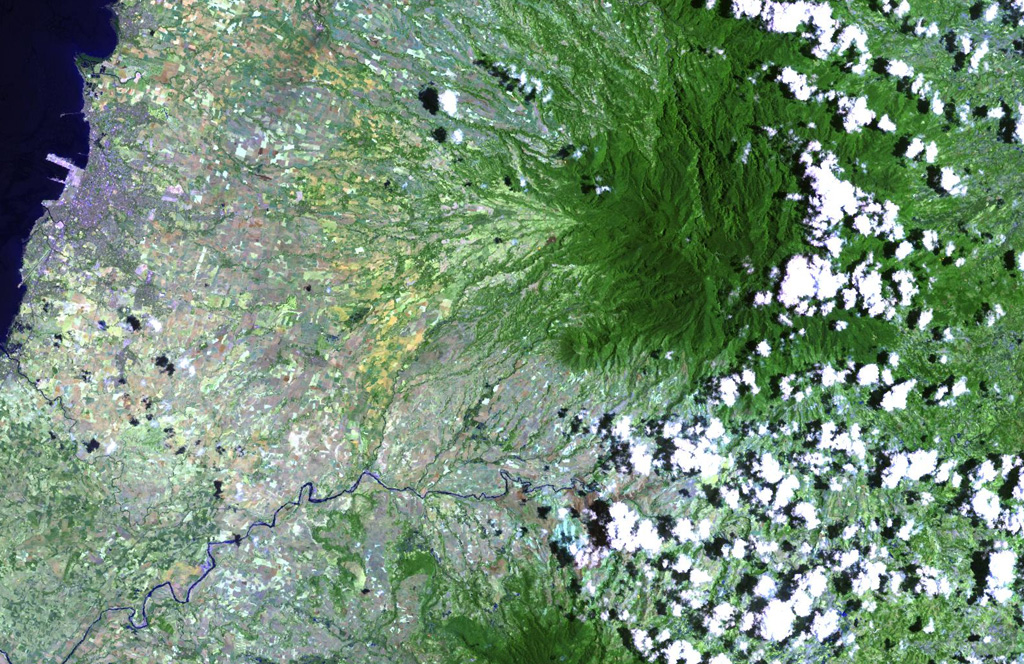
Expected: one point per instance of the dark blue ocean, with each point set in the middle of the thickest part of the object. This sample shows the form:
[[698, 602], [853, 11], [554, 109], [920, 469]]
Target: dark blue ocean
[[40, 113]]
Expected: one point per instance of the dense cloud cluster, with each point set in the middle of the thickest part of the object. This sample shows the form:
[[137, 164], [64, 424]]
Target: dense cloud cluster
[[805, 565]]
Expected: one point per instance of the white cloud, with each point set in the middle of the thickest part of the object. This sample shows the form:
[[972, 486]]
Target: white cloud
[[922, 463], [809, 277], [855, 113], [728, 390], [715, 429], [896, 471], [869, 287], [979, 53], [825, 624], [785, 490], [777, 620], [720, 617], [986, 505], [806, 511], [830, 377], [647, 537], [801, 601], [950, 181], [900, 69], [765, 587], [449, 100], [769, 469], [621, 429], [905, 285], [870, 578], [642, 641], [852, 35], [624, 520], [683, 531], [816, 582], [847, 441], [868, 374], [1001, 574], [682, 651], [797, 83], [896, 397], [746, 8], [641, 458], [786, 17], [834, 198], [690, 456], [848, 558], [749, 379], [915, 148]]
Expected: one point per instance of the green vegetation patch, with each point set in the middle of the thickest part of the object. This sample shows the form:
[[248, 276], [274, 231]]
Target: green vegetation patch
[[538, 620]]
